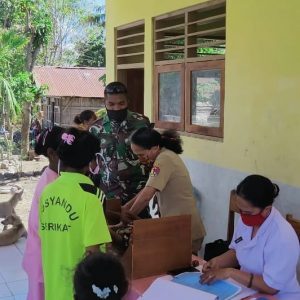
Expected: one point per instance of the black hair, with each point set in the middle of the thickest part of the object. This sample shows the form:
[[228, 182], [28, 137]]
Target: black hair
[[86, 115], [99, 271], [48, 138], [258, 190], [77, 148], [115, 87], [148, 137]]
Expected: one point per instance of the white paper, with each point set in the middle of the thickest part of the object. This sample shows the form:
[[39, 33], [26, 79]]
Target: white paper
[[162, 289]]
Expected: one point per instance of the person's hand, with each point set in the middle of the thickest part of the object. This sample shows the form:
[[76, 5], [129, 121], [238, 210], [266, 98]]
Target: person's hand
[[127, 216], [213, 275], [116, 226], [212, 264]]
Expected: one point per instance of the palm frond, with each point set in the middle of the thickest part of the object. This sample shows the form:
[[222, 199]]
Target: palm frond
[[8, 98]]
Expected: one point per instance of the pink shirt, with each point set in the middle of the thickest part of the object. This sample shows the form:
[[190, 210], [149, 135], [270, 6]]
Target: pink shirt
[[32, 261]]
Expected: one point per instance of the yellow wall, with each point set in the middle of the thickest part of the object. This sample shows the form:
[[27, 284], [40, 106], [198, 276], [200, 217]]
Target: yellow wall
[[262, 105]]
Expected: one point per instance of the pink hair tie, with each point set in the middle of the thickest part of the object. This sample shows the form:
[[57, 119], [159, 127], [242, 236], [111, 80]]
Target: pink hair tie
[[68, 138]]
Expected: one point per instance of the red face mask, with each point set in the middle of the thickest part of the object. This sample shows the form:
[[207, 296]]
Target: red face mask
[[252, 220]]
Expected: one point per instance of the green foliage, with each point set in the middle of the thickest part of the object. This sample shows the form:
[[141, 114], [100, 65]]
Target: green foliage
[[96, 18], [11, 51], [66, 17], [24, 27], [91, 50], [24, 88], [210, 50], [41, 27], [11, 59], [103, 79], [7, 97]]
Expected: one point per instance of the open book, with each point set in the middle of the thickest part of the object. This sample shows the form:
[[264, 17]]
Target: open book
[[223, 290]]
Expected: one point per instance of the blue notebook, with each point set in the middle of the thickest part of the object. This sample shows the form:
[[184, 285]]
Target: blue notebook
[[222, 289]]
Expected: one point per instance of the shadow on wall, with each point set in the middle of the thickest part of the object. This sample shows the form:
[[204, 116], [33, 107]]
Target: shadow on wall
[[198, 197]]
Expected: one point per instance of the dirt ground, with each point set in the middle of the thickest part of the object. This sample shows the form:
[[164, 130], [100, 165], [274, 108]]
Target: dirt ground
[[28, 183]]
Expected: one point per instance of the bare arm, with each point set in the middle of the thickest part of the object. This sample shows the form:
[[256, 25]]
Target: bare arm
[[220, 267], [257, 283], [92, 249], [142, 200], [129, 204], [249, 280], [227, 259]]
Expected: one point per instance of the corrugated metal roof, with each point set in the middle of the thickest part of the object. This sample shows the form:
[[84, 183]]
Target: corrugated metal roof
[[71, 81]]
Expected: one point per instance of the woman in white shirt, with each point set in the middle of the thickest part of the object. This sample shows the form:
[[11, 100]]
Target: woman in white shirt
[[264, 244]]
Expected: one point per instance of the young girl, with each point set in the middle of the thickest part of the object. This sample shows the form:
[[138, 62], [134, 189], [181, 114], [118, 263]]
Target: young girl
[[72, 223], [100, 276], [46, 144], [85, 119]]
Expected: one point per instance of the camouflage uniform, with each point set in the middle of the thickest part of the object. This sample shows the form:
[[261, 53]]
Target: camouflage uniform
[[120, 175]]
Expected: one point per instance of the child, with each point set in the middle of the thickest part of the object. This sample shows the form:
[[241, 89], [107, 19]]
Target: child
[[85, 119], [72, 223], [46, 144], [100, 276]]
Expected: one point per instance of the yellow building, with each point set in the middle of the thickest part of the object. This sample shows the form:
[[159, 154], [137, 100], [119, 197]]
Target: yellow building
[[227, 75]]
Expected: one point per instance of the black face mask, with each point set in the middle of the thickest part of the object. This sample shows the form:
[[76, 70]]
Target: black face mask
[[117, 115]]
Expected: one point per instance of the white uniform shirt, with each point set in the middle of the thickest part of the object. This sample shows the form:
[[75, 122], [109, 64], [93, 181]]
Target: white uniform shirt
[[272, 253]]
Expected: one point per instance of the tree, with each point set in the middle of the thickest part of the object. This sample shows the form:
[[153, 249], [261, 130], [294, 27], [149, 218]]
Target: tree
[[77, 36], [11, 59], [66, 18], [10, 106], [36, 22], [32, 25], [91, 51]]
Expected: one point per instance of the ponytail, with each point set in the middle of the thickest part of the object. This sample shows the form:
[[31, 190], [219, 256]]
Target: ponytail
[[77, 120], [85, 115], [172, 141], [148, 138]]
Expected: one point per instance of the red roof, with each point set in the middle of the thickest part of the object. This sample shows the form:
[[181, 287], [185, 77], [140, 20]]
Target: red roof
[[71, 81]]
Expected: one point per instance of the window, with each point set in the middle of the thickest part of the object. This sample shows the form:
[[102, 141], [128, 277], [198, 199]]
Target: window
[[130, 45], [189, 53], [170, 96], [53, 112], [205, 98]]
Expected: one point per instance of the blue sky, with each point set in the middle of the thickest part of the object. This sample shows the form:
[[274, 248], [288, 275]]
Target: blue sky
[[93, 2]]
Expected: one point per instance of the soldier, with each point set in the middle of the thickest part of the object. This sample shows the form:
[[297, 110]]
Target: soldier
[[120, 174]]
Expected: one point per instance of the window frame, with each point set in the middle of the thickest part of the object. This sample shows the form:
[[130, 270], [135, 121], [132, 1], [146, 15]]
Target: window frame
[[165, 69], [207, 20], [202, 66], [129, 42]]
